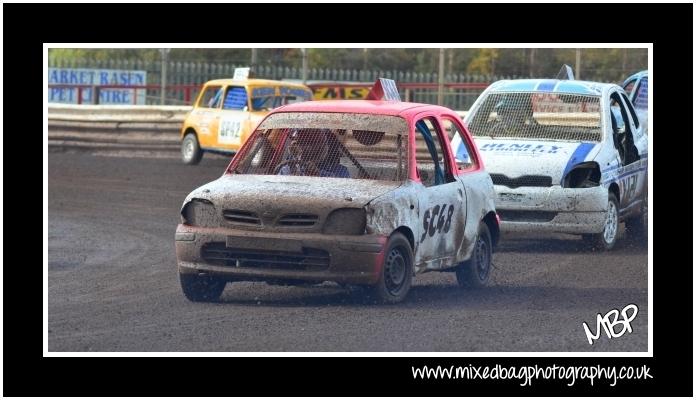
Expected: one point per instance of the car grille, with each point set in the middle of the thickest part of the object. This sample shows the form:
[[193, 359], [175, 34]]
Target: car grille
[[309, 259], [298, 220], [251, 218], [241, 217], [526, 216], [525, 180]]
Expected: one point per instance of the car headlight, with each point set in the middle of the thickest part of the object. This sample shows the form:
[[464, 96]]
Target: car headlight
[[583, 175], [200, 212], [345, 221]]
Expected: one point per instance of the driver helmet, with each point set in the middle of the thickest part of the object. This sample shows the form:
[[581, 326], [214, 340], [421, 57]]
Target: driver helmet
[[513, 113], [311, 144]]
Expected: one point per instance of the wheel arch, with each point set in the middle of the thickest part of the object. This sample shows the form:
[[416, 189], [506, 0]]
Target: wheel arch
[[187, 131], [491, 220], [614, 188], [406, 231]]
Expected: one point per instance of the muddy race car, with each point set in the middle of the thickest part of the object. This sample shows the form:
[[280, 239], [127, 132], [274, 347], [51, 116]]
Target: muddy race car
[[565, 156], [355, 192]]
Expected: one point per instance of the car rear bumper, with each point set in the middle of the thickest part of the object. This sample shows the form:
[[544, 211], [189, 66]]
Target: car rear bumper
[[254, 255]]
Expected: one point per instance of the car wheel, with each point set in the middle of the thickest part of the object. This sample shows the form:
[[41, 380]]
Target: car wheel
[[607, 238], [397, 271], [191, 153], [476, 271], [637, 227], [201, 288]]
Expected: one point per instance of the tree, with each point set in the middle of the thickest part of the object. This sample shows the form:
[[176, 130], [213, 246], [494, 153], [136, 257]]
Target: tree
[[484, 62]]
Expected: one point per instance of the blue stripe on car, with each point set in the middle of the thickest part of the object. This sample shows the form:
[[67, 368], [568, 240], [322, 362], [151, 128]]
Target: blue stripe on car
[[546, 86], [625, 174], [577, 157]]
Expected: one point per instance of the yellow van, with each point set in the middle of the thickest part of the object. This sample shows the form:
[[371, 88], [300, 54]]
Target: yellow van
[[227, 111]]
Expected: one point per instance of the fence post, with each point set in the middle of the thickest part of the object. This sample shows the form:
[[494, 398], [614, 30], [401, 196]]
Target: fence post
[[305, 65], [163, 75], [441, 78], [95, 94]]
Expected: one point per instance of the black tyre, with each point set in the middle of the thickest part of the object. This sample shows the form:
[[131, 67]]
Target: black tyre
[[476, 271], [607, 238], [637, 227], [201, 288], [191, 153], [397, 271]]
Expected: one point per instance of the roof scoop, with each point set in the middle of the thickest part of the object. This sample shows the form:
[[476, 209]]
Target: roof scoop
[[384, 89], [566, 73]]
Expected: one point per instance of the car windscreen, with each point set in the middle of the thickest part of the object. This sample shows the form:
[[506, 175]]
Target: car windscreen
[[535, 115], [266, 98], [336, 145]]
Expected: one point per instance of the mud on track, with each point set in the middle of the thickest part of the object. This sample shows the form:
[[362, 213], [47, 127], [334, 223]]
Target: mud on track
[[113, 285]]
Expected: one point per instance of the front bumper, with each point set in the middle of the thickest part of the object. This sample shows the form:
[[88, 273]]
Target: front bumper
[[553, 209], [351, 259]]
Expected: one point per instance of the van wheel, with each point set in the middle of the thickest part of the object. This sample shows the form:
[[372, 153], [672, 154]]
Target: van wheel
[[397, 271], [607, 238], [476, 271], [201, 288], [191, 153]]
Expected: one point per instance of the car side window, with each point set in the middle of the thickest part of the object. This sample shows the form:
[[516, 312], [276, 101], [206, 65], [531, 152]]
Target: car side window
[[235, 98], [636, 123], [621, 131], [430, 162], [461, 148], [618, 125], [211, 97]]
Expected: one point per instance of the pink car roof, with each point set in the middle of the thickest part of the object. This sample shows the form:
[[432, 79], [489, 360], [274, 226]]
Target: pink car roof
[[379, 107]]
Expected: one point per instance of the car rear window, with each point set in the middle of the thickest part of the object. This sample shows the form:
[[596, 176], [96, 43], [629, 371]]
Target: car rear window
[[335, 145], [534, 115]]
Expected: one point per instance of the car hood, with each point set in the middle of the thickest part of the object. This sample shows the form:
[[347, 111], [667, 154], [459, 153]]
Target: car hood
[[519, 157], [272, 196]]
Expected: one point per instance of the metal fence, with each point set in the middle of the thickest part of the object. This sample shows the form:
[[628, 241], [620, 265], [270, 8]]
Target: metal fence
[[181, 74]]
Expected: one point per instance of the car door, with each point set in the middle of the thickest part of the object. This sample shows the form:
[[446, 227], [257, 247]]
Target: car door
[[640, 140], [206, 115], [631, 149], [441, 202]]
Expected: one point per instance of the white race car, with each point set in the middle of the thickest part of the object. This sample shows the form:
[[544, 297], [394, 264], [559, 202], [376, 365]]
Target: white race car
[[565, 156]]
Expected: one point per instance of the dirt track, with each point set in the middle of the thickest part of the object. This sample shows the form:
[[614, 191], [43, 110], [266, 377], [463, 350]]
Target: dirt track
[[113, 284]]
